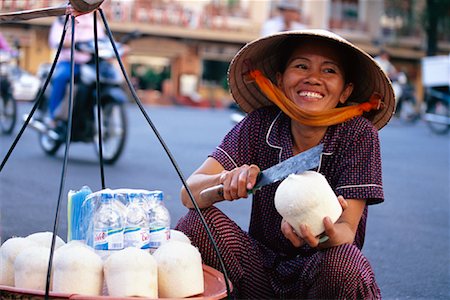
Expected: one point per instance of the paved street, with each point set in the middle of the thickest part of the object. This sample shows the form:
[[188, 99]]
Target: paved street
[[407, 239]]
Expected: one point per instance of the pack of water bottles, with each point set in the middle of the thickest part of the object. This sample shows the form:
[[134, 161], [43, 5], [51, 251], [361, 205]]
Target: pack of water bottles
[[121, 218]]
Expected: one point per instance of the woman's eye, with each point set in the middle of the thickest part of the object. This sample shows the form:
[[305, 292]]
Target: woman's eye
[[301, 66], [330, 70]]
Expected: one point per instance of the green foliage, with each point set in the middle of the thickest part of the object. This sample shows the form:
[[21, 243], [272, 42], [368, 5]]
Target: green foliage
[[149, 79]]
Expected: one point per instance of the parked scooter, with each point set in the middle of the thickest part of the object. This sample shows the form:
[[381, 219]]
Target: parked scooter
[[8, 105], [84, 121]]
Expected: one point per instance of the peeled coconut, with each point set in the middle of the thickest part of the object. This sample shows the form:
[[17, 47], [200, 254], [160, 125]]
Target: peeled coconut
[[30, 268], [131, 272], [176, 235], [45, 239], [77, 269], [74, 243], [8, 253], [180, 272], [307, 198]]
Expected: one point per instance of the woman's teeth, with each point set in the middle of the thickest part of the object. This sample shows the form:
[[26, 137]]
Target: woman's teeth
[[310, 95]]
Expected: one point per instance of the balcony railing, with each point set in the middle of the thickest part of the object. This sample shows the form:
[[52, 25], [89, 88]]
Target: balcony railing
[[202, 15]]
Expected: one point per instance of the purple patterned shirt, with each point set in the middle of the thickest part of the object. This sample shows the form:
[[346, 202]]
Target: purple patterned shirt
[[351, 162]]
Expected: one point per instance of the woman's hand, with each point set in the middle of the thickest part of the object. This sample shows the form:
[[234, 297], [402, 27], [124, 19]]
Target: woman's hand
[[341, 232], [238, 181], [211, 173]]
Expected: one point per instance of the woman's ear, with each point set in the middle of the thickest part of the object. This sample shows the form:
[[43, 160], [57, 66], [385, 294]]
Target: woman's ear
[[279, 78], [346, 93]]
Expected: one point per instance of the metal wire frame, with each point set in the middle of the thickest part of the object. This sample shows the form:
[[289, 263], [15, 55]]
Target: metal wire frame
[[69, 130]]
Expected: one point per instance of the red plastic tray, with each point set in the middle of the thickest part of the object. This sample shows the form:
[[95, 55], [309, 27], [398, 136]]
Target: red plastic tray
[[215, 288]]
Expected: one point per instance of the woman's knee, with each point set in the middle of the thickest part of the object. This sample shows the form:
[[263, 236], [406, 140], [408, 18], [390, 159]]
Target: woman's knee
[[345, 261], [349, 273]]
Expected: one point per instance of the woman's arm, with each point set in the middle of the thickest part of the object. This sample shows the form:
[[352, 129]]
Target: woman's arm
[[207, 175]]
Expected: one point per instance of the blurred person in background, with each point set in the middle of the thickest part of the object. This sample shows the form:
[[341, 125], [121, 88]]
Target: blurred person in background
[[383, 59], [84, 31], [4, 45], [289, 18], [9, 52], [399, 79]]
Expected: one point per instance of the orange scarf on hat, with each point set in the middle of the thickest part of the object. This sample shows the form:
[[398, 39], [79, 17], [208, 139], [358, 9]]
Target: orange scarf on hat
[[330, 117]]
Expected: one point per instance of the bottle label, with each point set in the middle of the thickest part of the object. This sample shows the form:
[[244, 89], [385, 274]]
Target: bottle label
[[158, 236], [136, 237], [108, 239]]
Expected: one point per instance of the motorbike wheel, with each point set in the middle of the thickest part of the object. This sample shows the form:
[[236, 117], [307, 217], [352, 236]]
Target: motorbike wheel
[[8, 114], [114, 132], [406, 110], [438, 116], [49, 145]]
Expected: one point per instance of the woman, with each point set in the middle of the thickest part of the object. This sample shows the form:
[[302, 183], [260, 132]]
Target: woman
[[317, 71]]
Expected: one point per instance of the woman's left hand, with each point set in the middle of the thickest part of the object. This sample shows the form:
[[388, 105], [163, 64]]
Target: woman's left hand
[[341, 232]]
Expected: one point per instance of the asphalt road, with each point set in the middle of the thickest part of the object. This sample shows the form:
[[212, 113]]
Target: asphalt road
[[407, 239]]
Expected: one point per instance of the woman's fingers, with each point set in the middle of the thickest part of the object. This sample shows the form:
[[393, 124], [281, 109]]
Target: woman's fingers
[[253, 173], [238, 181], [290, 234], [322, 241], [308, 237]]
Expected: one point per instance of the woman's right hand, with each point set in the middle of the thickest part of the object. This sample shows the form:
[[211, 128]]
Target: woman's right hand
[[211, 173], [237, 182]]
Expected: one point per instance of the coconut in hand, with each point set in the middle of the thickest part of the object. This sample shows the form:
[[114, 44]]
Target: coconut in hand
[[307, 198]]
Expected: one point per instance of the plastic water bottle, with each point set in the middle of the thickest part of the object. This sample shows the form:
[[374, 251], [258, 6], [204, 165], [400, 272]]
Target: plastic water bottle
[[159, 220], [136, 232], [108, 225]]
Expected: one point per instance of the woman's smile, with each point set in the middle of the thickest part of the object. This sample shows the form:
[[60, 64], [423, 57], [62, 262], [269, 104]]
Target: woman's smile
[[310, 95]]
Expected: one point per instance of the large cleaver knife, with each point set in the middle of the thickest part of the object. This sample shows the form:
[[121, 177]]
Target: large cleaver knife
[[299, 163]]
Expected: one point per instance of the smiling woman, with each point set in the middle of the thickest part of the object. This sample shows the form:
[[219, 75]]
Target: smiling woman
[[300, 89]]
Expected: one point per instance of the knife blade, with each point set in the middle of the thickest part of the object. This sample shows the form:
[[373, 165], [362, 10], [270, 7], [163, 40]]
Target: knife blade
[[296, 164]]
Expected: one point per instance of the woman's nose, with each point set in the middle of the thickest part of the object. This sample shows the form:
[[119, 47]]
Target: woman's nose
[[313, 77]]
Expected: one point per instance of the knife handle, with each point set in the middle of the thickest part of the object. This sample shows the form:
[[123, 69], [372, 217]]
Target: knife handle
[[212, 194]]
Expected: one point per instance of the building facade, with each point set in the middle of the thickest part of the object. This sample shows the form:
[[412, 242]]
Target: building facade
[[185, 45]]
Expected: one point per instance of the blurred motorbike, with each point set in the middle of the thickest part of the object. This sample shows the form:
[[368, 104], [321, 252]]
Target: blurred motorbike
[[437, 113], [84, 122], [8, 105], [406, 102], [436, 81]]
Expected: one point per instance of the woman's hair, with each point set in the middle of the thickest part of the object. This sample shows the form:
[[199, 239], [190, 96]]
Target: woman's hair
[[288, 46]]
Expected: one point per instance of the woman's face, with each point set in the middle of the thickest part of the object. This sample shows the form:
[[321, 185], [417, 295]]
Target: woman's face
[[314, 78]]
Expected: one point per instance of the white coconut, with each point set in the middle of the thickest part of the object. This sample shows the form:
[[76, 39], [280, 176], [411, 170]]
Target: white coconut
[[180, 272], [74, 243], [77, 269], [131, 272], [307, 198], [45, 239], [8, 253], [30, 268], [176, 235]]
